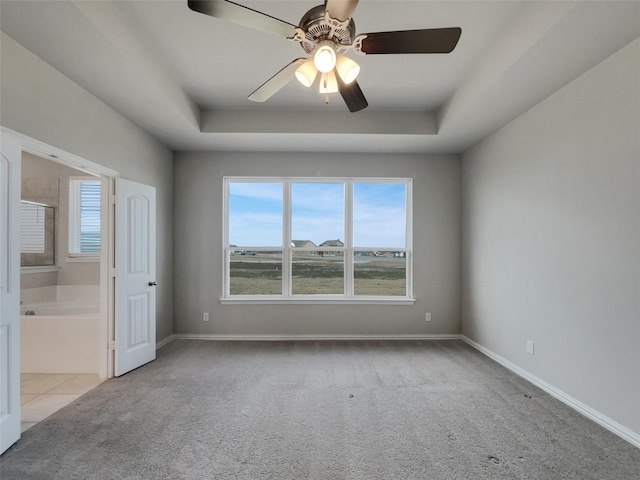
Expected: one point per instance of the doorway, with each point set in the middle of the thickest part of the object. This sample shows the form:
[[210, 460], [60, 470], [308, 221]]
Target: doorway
[[60, 285], [127, 323]]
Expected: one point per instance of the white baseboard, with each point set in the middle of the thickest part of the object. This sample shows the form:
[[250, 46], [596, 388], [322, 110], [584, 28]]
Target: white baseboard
[[269, 337], [611, 425], [162, 343]]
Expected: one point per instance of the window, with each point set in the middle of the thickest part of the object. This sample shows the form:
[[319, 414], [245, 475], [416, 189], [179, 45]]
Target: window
[[320, 239], [84, 216], [32, 220], [37, 234]]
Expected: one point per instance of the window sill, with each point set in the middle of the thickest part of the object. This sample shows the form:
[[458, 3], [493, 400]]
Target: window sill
[[43, 269], [82, 259], [316, 300]]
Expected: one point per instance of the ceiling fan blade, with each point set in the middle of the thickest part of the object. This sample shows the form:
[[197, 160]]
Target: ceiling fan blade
[[341, 9], [247, 17], [432, 40], [277, 82], [352, 95]]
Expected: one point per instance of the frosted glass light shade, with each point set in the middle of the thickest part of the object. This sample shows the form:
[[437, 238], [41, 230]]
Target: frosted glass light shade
[[328, 83], [347, 69], [307, 73], [325, 58]]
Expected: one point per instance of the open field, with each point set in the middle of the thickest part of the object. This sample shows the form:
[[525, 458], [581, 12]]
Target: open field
[[261, 274]]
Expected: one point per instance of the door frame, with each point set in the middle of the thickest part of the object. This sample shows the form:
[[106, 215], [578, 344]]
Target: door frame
[[10, 411], [107, 255]]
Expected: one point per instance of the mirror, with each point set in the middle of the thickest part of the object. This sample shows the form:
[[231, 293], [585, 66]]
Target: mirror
[[37, 237]]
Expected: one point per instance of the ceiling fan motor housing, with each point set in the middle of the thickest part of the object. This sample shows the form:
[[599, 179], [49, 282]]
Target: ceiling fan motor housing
[[318, 26]]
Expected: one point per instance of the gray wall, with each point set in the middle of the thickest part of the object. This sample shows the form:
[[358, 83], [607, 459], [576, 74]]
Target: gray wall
[[40, 102], [551, 236], [198, 180]]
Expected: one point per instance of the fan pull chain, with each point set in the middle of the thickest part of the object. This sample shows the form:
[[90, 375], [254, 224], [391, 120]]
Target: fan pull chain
[[325, 82]]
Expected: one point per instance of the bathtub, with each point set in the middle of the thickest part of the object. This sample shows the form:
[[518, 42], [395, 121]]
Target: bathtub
[[61, 308], [61, 336]]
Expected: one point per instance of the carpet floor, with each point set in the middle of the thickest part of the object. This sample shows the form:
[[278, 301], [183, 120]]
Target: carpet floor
[[361, 410]]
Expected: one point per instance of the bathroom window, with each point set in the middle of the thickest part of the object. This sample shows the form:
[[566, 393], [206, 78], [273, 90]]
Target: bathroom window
[[32, 231], [317, 240], [37, 234], [84, 216]]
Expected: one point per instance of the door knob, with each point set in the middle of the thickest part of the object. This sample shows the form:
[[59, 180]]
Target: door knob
[[152, 284]]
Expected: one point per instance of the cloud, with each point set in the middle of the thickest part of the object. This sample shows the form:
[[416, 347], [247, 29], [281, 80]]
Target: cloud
[[317, 229], [255, 229], [257, 190], [318, 196], [379, 215]]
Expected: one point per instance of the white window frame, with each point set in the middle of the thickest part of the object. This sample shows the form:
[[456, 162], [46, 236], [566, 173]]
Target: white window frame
[[74, 221], [287, 249]]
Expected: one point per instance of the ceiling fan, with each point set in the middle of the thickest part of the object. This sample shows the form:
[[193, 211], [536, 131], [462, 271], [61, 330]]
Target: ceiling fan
[[325, 33]]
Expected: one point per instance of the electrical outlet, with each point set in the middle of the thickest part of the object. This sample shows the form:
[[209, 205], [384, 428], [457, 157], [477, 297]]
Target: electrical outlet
[[427, 317], [530, 346], [205, 317]]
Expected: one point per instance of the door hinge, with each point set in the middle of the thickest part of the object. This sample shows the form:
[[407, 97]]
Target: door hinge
[[114, 199], [113, 345], [114, 272]]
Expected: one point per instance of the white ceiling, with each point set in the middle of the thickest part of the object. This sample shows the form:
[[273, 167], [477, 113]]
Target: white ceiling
[[185, 77]]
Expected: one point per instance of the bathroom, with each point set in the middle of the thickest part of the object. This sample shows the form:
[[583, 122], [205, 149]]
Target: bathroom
[[60, 285]]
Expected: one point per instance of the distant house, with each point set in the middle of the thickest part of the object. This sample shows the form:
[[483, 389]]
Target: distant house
[[304, 244], [330, 243]]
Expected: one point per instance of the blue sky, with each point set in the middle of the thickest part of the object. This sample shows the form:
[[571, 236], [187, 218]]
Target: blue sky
[[317, 213]]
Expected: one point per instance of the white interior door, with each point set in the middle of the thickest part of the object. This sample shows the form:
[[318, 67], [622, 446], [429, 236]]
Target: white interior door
[[10, 152], [135, 319]]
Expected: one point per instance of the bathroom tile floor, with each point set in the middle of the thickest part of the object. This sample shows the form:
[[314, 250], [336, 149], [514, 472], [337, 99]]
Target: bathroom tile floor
[[42, 394]]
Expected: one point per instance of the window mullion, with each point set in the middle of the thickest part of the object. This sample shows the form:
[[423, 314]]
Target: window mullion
[[226, 248], [348, 241], [409, 237], [286, 239]]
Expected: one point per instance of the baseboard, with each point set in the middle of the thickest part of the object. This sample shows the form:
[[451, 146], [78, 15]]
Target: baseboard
[[274, 338], [163, 342], [611, 425]]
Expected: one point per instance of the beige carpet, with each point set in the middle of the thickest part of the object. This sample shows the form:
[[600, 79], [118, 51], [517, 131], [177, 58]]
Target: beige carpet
[[319, 410]]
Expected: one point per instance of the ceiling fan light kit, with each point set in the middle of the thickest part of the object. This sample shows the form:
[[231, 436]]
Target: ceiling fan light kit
[[325, 32], [325, 57], [328, 83], [347, 69], [307, 73]]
